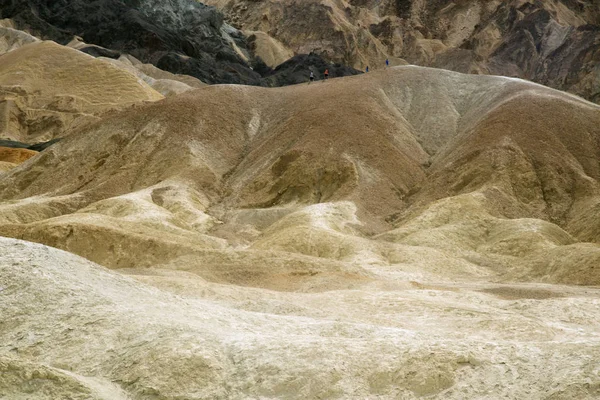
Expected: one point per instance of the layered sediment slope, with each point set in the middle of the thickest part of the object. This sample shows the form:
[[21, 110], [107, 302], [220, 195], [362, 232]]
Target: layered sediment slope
[[47, 89], [555, 42], [11, 38], [401, 234]]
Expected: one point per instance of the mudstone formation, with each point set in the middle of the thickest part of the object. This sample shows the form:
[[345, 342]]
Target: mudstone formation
[[410, 233]]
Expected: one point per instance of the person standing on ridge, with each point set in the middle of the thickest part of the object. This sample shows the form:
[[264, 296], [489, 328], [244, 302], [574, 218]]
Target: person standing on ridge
[[387, 62], [312, 76], [326, 73], [367, 70]]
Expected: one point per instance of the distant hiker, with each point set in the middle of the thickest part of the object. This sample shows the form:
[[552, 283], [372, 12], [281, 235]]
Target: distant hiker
[[326, 74], [312, 76], [387, 62], [367, 68]]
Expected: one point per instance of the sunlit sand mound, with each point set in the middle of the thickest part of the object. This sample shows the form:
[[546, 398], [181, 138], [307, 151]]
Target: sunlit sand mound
[[169, 85], [516, 249], [76, 330], [224, 179], [48, 89]]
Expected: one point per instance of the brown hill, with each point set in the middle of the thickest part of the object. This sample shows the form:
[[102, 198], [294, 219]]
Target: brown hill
[[164, 82], [15, 156], [47, 89], [225, 163]]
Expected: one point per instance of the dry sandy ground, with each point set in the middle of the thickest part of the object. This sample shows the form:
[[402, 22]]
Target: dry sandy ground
[[74, 330], [410, 233]]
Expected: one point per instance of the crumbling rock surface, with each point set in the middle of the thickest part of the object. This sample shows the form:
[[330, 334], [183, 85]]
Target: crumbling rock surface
[[555, 42], [77, 330]]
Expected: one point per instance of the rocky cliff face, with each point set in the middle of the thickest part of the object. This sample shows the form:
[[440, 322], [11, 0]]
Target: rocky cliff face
[[555, 42], [179, 36]]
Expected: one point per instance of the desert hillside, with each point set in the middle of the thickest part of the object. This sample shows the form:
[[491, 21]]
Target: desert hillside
[[47, 89], [279, 42], [407, 233], [554, 42]]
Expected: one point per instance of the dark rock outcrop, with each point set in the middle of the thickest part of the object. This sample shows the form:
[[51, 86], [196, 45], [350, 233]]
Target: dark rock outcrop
[[553, 43], [44, 145], [298, 68], [179, 36], [35, 147], [13, 144], [535, 46], [97, 51]]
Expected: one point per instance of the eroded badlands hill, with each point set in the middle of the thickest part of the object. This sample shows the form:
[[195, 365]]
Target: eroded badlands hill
[[47, 89], [179, 36], [554, 42], [401, 234]]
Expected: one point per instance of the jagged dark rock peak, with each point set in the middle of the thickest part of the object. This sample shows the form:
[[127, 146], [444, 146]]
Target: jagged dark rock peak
[[554, 43], [179, 36], [537, 48]]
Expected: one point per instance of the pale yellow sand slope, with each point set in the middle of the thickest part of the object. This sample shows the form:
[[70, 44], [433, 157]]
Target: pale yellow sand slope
[[404, 234]]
